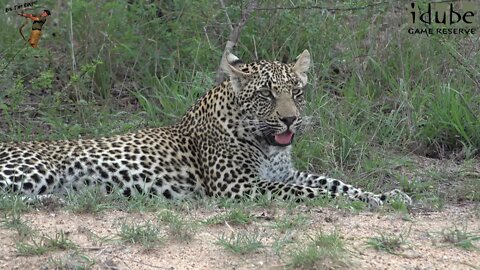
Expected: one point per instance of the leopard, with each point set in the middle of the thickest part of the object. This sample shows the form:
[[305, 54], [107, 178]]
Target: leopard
[[234, 142]]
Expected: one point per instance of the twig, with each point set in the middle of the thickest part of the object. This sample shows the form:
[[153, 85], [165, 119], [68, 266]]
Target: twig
[[226, 15], [74, 62], [230, 227], [72, 50], [255, 47], [206, 36], [235, 35]]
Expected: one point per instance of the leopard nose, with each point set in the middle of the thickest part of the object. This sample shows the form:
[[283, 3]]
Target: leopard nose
[[288, 120]]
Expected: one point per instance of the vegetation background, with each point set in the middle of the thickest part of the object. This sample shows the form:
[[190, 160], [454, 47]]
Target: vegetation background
[[387, 109], [377, 95]]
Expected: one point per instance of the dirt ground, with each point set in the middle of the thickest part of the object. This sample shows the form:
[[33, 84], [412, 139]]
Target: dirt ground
[[425, 247]]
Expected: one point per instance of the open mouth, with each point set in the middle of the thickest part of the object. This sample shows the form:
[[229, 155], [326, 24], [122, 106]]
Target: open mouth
[[282, 139]]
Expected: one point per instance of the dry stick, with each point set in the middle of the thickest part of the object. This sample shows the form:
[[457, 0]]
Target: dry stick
[[72, 50], [230, 25], [234, 34], [74, 62]]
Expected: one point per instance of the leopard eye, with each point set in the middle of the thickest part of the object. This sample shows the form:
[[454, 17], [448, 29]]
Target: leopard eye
[[296, 91], [266, 93]]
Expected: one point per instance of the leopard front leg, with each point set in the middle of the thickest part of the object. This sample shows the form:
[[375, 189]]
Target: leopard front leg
[[279, 168], [335, 188]]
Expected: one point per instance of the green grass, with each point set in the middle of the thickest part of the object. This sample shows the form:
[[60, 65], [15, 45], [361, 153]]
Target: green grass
[[147, 234], [44, 244], [234, 216], [289, 222], [389, 242], [12, 204], [323, 250], [460, 237], [179, 228], [90, 200], [16, 223], [243, 242], [144, 203], [93, 200], [73, 261], [282, 241]]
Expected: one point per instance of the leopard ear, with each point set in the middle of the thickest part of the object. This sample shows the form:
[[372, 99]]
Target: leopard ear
[[230, 65], [301, 66]]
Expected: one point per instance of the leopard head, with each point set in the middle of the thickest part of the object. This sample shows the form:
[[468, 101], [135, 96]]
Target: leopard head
[[270, 95]]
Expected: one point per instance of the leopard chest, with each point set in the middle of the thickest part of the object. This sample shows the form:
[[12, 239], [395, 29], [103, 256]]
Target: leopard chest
[[277, 165]]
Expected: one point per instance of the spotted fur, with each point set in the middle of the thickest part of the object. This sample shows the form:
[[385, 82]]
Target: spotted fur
[[234, 142]]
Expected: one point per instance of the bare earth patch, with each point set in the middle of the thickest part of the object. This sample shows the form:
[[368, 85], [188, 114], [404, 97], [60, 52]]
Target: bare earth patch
[[96, 237]]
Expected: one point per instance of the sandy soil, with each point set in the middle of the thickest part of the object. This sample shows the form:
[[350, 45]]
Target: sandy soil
[[424, 249]]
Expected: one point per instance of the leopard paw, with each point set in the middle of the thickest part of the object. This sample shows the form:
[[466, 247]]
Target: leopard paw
[[374, 202], [397, 194]]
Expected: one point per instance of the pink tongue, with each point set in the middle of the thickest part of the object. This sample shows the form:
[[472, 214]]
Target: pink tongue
[[284, 138]]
